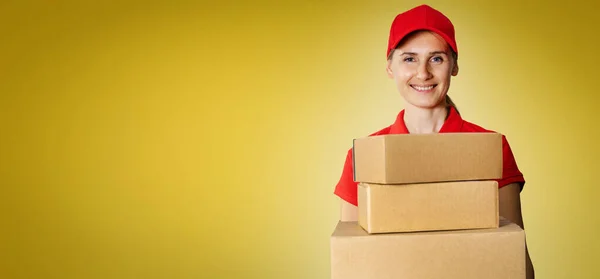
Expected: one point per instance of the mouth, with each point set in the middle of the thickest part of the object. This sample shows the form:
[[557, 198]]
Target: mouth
[[423, 88]]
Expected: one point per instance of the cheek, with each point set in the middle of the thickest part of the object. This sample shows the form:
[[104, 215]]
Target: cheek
[[404, 74], [443, 73]]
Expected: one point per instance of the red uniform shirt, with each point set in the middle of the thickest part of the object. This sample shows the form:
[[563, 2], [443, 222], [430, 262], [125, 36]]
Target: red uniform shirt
[[347, 188]]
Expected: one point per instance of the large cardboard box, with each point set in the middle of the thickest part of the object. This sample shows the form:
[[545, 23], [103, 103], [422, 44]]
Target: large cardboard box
[[388, 208], [418, 158], [460, 254]]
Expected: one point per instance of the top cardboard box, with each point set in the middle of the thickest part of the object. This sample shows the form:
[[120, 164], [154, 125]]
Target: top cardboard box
[[422, 158]]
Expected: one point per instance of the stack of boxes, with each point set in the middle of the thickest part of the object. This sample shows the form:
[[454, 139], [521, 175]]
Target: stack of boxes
[[428, 209]]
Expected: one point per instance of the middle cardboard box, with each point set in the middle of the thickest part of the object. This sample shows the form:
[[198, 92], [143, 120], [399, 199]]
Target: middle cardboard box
[[428, 206]]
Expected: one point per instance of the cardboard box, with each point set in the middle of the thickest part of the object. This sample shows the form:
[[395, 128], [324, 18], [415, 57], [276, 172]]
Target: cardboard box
[[388, 208], [422, 158], [461, 254]]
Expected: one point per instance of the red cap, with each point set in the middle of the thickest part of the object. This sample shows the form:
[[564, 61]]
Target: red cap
[[421, 17]]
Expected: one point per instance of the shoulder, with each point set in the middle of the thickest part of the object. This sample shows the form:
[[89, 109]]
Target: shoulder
[[468, 126], [383, 131], [511, 171], [471, 127]]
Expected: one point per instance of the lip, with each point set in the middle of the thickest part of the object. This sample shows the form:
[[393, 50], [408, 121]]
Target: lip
[[423, 88]]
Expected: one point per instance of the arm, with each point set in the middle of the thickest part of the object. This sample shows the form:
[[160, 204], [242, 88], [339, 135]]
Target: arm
[[348, 211], [510, 208]]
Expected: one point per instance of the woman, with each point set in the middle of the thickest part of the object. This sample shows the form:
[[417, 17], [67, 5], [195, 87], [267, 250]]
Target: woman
[[422, 57]]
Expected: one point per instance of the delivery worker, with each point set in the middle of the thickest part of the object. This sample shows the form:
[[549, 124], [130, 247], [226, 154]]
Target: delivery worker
[[422, 57]]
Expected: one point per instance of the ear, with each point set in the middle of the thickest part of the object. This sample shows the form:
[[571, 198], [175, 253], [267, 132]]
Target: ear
[[388, 68], [455, 69]]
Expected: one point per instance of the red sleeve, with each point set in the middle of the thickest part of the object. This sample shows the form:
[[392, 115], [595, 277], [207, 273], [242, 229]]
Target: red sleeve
[[346, 188], [510, 171]]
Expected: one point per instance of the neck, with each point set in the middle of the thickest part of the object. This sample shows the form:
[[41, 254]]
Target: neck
[[425, 121]]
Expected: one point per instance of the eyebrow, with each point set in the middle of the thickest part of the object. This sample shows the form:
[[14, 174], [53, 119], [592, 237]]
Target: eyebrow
[[431, 53]]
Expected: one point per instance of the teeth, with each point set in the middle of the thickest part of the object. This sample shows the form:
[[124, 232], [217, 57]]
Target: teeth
[[423, 88]]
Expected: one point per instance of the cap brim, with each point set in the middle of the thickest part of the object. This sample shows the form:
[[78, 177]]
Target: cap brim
[[408, 32]]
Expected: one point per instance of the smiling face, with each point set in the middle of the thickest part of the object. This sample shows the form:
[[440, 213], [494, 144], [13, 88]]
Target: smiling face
[[421, 67]]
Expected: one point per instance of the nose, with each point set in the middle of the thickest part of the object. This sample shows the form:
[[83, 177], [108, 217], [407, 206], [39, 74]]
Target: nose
[[423, 72]]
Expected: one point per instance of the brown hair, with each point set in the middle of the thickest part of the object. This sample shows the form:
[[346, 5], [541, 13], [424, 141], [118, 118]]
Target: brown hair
[[449, 101]]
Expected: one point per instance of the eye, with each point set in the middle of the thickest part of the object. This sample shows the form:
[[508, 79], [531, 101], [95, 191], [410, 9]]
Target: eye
[[408, 59], [437, 59]]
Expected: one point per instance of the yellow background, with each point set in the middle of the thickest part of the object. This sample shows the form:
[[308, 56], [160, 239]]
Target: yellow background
[[182, 139]]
